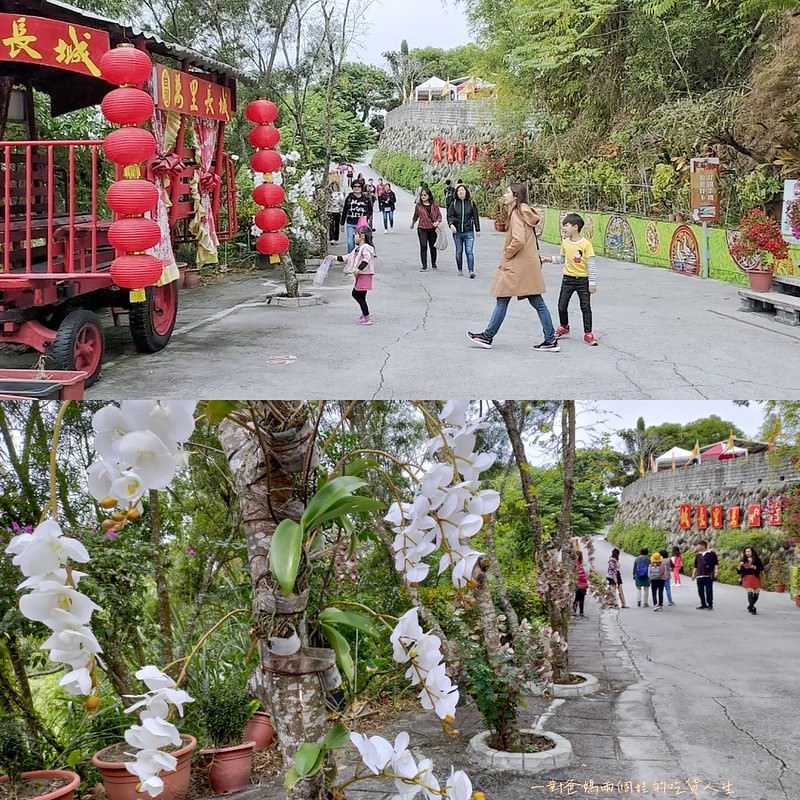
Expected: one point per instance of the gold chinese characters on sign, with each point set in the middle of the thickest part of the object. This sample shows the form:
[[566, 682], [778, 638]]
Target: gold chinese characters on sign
[[185, 93], [705, 189], [51, 43]]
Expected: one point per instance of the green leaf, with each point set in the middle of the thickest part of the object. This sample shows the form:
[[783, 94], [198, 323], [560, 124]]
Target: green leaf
[[341, 647], [291, 778], [218, 410], [346, 505], [358, 466], [337, 736], [331, 493], [348, 619], [308, 759], [285, 553]]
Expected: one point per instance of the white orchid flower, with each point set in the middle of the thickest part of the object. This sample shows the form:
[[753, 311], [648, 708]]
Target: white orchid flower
[[487, 501], [154, 679], [73, 646], [152, 785], [462, 571], [376, 752], [439, 693], [58, 576], [45, 550], [78, 682], [127, 488], [171, 420], [407, 631], [57, 606], [101, 474], [153, 734], [455, 412], [458, 786], [149, 457]]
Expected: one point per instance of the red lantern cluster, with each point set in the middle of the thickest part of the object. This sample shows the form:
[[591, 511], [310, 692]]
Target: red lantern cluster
[[128, 146], [271, 219]]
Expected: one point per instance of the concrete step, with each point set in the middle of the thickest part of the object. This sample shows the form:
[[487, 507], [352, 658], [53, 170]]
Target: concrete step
[[787, 284], [784, 307]]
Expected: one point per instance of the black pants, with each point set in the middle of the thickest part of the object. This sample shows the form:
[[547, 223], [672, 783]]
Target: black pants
[[657, 589], [569, 285], [705, 588], [360, 296], [580, 596], [334, 227], [427, 240]]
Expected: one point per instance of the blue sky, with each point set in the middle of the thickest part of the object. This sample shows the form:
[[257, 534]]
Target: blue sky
[[424, 23]]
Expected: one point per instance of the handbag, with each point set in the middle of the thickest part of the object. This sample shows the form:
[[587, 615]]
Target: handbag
[[441, 238]]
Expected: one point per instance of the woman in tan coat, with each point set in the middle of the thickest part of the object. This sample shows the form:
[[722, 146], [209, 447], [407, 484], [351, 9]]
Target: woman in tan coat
[[520, 273]]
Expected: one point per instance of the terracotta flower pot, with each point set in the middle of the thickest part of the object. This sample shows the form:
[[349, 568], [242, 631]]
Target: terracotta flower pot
[[121, 784], [192, 278], [780, 588], [500, 226], [760, 281], [229, 768], [182, 275], [259, 730], [64, 792]]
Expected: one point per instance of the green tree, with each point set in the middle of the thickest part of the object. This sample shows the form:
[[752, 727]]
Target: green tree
[[405, 71], [362, 88], [457, 62]]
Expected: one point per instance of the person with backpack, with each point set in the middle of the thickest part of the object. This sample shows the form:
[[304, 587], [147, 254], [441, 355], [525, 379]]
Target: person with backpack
[[581, 585], [449, 193], [668, 579], [657, 574], [641, 567], [614, 575]]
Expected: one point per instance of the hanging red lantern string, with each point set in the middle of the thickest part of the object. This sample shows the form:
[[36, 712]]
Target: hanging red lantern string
[[265, 137], [128, 146]]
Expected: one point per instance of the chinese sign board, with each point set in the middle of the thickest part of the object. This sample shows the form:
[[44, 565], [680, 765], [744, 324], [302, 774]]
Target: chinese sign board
[[51, 43], [756, 515], [705, 189], [791, 194], [185, 93]]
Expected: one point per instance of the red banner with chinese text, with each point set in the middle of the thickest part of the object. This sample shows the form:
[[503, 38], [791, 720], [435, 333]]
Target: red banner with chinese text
[[185, 93], [52, 43], [472, 153], [461, 150], [734, 516], [774, 511], [438, 146], [451, 152], [717, 516], [754, 515], [702, 517], [685, 516]]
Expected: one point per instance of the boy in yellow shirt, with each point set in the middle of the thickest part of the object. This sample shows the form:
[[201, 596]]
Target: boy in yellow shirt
[[580, 275]]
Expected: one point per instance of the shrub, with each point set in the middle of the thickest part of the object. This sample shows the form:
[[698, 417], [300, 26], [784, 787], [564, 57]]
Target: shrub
[[225, 708], [735, 541], [399, 168], [632, 538], [527, 602], [727, 570]]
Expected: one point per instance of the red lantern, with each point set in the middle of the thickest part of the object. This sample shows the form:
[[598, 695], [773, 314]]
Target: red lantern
[[134, 234], [129, 146], [136, 271], [125, 64], [271, 219], [266, 161], [264, 136], [272, 244], [269, 194], [261, 112], [127, 106], [130, 197]]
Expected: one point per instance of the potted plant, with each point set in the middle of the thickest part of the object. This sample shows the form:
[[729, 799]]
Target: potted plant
[[500, 217], [225, 707], [259, 730], [16, 757], [778, 575], [760, 240]]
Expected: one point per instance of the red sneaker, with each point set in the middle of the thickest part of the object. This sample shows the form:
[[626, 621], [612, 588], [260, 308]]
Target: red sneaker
[[561, 332], [589, 339]]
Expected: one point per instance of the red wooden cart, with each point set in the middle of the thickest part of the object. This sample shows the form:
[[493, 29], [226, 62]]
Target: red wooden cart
[[54, 251]]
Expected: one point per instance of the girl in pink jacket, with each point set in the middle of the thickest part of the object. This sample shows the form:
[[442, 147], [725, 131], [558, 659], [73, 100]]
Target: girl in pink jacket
[[360, 263]]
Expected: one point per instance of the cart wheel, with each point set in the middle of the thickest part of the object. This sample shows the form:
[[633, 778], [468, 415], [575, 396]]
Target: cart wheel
[[78, 344], [152, 322]]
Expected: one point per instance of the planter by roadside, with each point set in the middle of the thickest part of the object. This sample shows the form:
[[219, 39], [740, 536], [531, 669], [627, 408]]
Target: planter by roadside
[[229, 768], [588, 685], [259, 730], [192, 278], [560, 755], [121, 784], [45, 777]]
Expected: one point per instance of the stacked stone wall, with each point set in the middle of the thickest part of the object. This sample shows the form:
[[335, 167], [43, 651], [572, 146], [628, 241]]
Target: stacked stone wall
[[412, 127], [654, 499]]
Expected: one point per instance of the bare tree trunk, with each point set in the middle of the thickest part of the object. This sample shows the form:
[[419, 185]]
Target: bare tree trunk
[[164, 608], [269, 463], [559, 615], [289, 276]]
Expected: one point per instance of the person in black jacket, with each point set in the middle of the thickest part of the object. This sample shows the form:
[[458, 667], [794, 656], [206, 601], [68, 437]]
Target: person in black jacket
[[387, 200], [465, 223], [356, 206], [750, 568]]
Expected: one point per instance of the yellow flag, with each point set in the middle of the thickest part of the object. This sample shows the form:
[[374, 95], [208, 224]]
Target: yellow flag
[[641, 465], [729, 445], [673, 462], [653, 464], [696, 448]]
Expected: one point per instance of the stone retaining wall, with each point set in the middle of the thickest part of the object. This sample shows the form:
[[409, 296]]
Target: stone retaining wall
[[412, 127]]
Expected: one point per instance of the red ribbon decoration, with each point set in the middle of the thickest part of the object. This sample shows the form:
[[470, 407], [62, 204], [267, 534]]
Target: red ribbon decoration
[[166, 166], [209, 181]]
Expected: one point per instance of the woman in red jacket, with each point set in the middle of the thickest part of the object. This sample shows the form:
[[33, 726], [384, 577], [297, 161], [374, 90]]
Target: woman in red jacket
[[428, 217]]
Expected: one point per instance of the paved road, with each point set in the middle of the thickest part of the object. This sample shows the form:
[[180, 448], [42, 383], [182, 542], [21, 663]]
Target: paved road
[[661, 335]]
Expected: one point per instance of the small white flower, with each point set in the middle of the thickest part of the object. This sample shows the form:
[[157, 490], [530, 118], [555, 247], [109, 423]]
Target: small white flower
[[78, 682], [376, 752], [45, 550], [154, 678], [458, 786], [149, 457], [57, 606]]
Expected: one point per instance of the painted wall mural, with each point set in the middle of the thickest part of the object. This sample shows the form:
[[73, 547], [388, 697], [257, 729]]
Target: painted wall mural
[[684, 251], [650, 242]]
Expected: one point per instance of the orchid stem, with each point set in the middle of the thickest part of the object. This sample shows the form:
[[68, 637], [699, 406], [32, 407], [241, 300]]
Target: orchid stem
[[53, 461]]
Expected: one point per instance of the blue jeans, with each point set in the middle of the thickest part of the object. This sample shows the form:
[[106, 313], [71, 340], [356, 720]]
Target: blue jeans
[[537, 301], [668, 589], [465, 241], [351, 237], [388, 218]]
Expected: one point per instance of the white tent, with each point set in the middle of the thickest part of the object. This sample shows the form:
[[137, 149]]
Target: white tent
[[433, 87], [678, 454]]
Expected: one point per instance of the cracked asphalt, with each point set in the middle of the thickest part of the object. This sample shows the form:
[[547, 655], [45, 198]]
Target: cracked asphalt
[[662, 335]]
